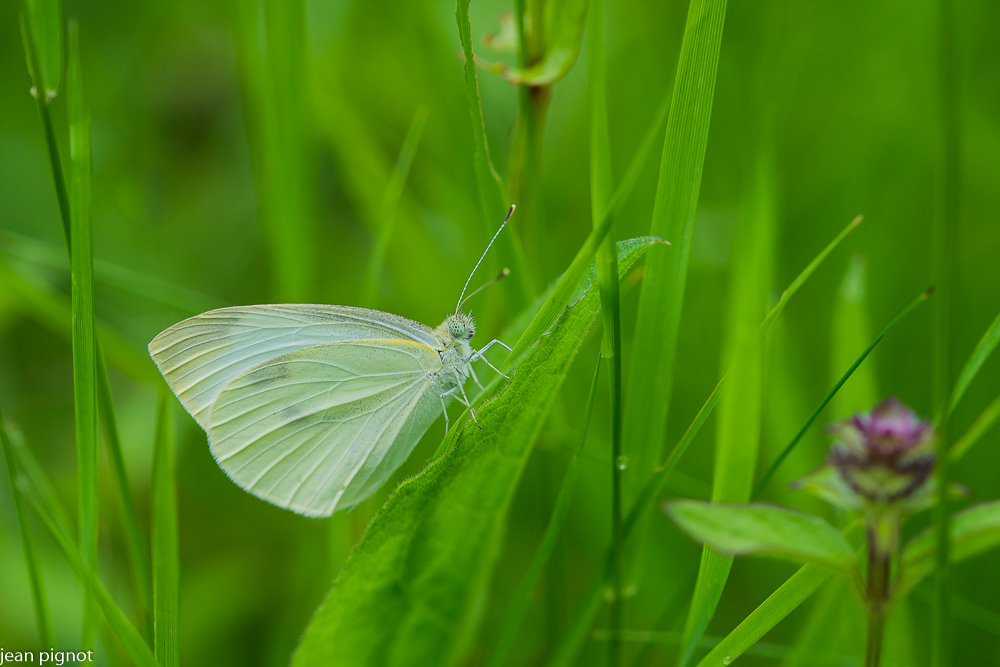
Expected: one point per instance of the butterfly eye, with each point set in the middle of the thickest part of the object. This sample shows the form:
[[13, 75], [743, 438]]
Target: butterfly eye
[[457, 329]]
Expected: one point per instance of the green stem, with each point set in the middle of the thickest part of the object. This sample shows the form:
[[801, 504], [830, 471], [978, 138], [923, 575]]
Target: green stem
[[883, 541]]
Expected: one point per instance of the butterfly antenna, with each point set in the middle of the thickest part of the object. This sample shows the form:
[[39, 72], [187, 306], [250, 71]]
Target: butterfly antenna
[[461, 298], [500, 276]]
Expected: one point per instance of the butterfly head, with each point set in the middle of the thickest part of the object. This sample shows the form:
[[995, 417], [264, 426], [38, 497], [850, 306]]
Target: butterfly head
[[460, 326]]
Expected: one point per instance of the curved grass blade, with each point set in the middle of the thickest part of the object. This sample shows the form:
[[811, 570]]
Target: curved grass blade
[[979, 427], [562, 45], [166, 565], [984, 348], [840, 383], [31, 560], [522, 596], [390, 202], [130, 638]]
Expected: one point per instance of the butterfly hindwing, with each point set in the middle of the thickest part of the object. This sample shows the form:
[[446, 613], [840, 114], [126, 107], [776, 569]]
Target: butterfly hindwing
[[320, 428]]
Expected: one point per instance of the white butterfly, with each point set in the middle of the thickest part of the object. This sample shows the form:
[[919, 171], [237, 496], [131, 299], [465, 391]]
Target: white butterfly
[[313, 407]]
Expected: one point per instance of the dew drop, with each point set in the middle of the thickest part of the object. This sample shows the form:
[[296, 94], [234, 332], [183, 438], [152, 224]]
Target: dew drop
[[728, 660], [621, 462]]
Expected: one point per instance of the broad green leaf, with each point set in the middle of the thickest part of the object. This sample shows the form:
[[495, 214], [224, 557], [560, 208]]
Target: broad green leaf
[[564, 21], [412, 591], [758, 528], [971, 531]]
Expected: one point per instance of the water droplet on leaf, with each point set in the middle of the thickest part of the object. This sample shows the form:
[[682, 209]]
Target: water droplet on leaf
[[621, 462]]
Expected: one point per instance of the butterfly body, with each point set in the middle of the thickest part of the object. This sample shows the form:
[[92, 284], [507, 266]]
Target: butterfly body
[[313, 407]]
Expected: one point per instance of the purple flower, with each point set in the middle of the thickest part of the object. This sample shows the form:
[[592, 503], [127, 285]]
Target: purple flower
[[884, 456]]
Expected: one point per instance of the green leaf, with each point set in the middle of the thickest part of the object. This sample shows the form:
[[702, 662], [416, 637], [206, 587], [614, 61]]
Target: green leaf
[[565, 21], [739, 529], [412, 591], [979, 428], [164, 543], [971, 531]]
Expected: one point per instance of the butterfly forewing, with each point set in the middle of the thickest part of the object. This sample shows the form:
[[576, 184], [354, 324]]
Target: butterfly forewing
[[320, 428], [200, 356]]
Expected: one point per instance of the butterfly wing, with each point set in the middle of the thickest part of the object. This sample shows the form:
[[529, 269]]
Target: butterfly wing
[[200, 356], [321, 428]]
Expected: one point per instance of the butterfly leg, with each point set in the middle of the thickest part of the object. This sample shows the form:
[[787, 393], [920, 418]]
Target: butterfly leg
[[475, 379], [465, 399], [479, 354], [444, 408]]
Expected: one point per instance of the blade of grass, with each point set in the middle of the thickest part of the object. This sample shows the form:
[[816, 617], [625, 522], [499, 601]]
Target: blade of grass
[[272, 40], [740, 409], [979, 427], [946, 220], [561, 293], [984, 348], [851, 331], [662, 292], [135, 539], [136, 283], [166, 566], [390, 202], [923, 296], [521, 600], [42, 33], [130, 638], [573, 638], [492, 198], [601, 187], [31, 560], [84, 337]]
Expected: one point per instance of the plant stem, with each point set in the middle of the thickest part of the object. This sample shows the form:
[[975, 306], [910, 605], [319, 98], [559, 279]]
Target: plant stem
[[883, 538]]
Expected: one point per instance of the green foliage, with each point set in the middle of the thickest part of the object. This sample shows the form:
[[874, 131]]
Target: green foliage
[[971, 531], [564, 22], [411, 592], [166, 559], [740, 529]]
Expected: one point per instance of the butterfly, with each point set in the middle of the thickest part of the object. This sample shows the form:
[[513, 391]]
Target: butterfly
[[313, 407]]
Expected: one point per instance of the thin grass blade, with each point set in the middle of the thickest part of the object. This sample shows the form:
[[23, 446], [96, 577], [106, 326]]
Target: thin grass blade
[[986, 419], [84, 336], [492, 197], [390, 202], [166, 564], [42, 618], [851, 332], [836, 387], [984, 348]]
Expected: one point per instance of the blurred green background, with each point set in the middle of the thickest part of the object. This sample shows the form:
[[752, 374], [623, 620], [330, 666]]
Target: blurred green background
[[844, 96]]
